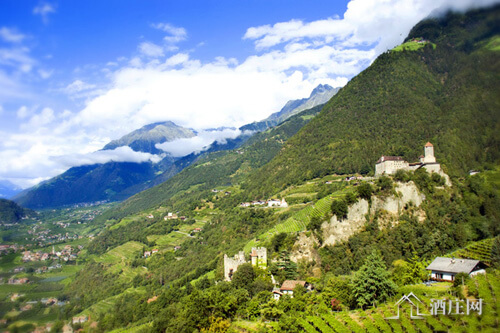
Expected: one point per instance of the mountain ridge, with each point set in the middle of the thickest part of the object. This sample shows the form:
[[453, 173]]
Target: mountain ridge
[[127, 179]]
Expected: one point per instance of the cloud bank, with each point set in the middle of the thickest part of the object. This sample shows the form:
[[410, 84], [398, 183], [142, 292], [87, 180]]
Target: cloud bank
[[198, 143], [120, 154], [159, 82]]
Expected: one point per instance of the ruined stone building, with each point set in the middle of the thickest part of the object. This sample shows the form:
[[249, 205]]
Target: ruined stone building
[[258, 256]]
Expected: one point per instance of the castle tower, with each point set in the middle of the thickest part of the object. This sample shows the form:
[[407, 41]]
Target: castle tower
[[429, 153], [259, 257]]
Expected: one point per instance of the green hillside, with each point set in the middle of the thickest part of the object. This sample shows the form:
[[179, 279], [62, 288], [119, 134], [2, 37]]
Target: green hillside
[[448, 94], [216, 169], [10, 212]]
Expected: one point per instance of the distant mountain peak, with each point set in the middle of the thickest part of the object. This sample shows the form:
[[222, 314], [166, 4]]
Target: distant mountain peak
[[145, 138], [320, 95], [320, 89]]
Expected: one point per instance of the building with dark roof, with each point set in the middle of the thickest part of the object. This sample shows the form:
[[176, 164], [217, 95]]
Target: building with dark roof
[[445, 269]]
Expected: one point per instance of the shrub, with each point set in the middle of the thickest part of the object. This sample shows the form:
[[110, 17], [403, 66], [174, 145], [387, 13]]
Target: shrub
[[365, 191], [339, 208]]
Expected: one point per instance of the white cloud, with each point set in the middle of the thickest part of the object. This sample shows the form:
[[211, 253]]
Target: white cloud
[[44, 9], [11, 35], [198, 143], [366, 22], [45, 74], [175, 34], [151, 49], [45, 117], [22, 112], [293, 58], [120, 154], [17, 58], [78, 86]]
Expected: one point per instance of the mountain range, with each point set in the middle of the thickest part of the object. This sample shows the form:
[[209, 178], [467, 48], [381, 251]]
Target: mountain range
[[114, 181], [442, 92], [158, 259], [8, 189]]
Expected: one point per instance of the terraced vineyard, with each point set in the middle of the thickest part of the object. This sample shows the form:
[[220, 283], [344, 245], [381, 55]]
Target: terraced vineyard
[[374, 320], [478, 250], [299, 221]]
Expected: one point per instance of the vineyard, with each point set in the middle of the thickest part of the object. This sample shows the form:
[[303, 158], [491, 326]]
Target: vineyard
[[478, 250], [485, 287]]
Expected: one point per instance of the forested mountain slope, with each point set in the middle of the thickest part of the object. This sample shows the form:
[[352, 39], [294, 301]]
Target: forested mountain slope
[[446, 92], [10, 212], [402, 101], [219, 168]]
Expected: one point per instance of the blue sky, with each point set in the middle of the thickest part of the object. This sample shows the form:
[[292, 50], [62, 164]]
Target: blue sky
[[76, 74]]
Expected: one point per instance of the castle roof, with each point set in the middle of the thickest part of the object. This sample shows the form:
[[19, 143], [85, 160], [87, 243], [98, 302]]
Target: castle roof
[[428, 144], [389, 158]]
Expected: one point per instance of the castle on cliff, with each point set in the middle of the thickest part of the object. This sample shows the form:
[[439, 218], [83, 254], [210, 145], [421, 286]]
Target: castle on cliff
[[390, 164]]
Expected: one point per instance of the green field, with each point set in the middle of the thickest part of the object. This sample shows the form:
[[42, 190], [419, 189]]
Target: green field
[[108, 303], [412, 46]]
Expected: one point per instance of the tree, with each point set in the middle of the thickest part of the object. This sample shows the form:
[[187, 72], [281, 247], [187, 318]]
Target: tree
[[410, 272], [402, 176], [365, 191], [244, 276], [385, 183], [217, 325], [371, 283], [339, 209], [350, 198], [271, 311], [339, 289]]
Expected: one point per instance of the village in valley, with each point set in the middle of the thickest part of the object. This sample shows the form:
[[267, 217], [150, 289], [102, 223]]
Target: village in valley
[[48, 259]]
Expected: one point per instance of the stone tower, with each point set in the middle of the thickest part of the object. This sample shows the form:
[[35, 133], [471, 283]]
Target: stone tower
[[259, 257], [429, 153]]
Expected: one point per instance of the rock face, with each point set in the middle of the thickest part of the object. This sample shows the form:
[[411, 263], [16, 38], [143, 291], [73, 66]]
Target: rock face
[[304, 249], [337, 231]]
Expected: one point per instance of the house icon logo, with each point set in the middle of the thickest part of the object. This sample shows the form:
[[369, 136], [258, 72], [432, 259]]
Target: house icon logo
[[414, 302]]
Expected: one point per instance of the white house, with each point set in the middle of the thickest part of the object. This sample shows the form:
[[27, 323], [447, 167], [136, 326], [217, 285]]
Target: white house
[[445, 269]]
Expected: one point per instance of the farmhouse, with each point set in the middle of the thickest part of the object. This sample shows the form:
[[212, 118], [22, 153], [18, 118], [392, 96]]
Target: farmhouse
[[288, 286], [445, 269]]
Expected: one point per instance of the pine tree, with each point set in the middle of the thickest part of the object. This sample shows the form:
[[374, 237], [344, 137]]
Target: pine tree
[[371, 283]]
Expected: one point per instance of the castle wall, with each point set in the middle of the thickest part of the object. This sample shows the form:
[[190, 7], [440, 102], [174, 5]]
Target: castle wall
[[390, 167], [231, 264]]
